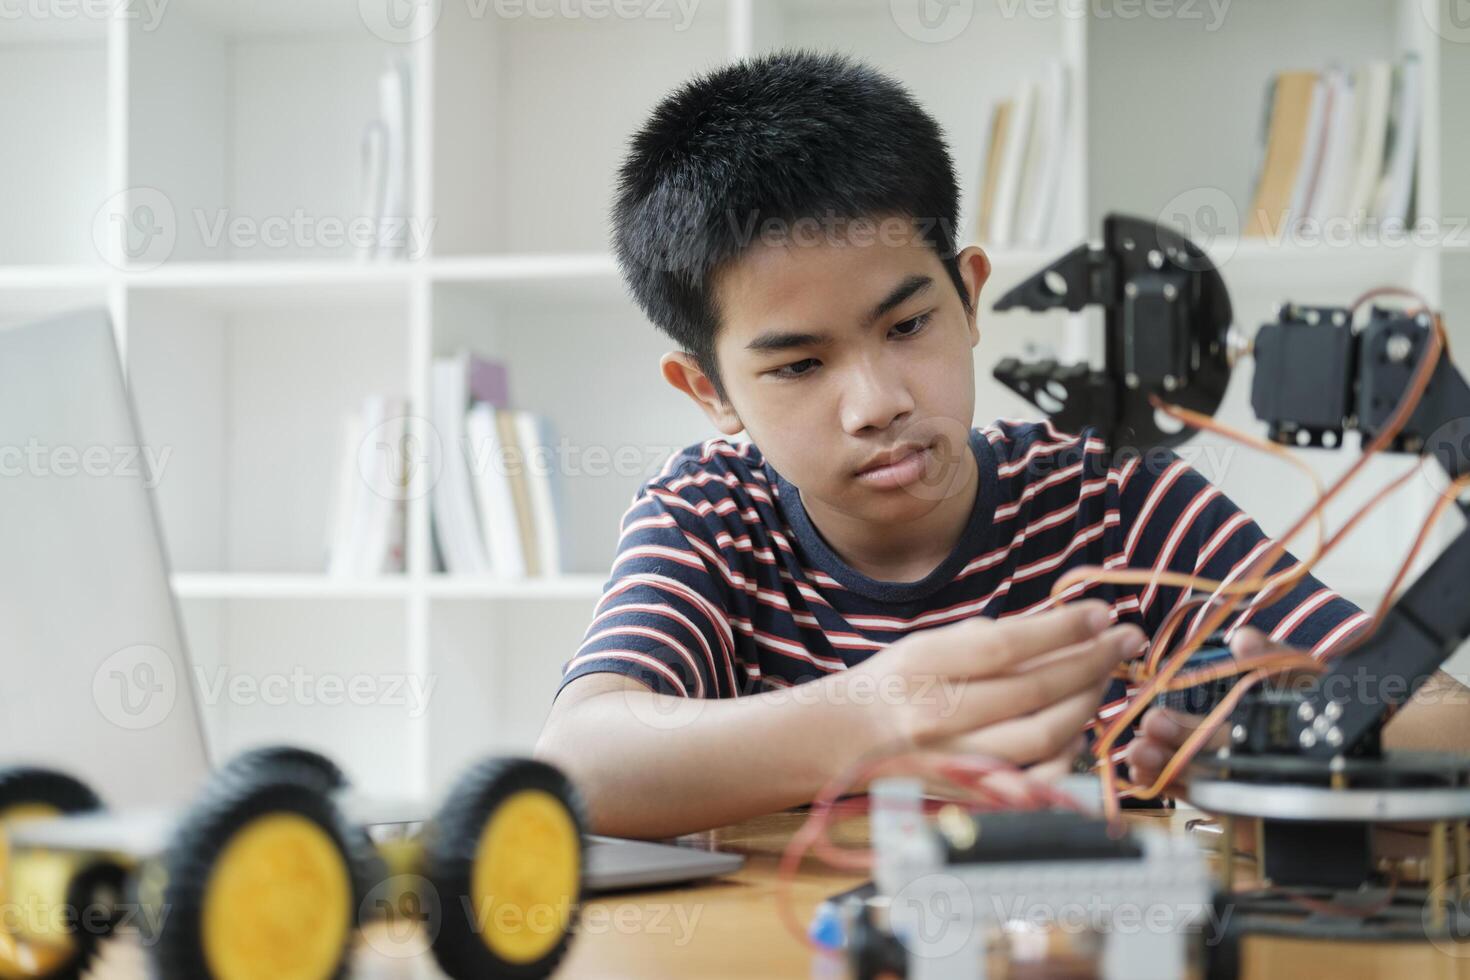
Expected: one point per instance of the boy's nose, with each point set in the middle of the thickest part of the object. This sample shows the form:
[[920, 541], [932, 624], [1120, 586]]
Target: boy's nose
[[872, 400]]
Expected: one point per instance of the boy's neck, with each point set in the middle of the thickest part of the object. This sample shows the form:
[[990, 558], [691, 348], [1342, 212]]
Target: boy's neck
[[903, 552]]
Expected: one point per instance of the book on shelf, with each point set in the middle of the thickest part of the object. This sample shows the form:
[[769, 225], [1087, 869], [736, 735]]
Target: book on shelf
[[1290, 95], [514, 463], [455, 519], [1337, 145], [1375, 87], [492, 489], [1396, 187], [366, 519], [543, 486], [374, 173], [1314, 136], [1049, 142], [1333, 180], [1000, 115], [387, 165], [1013, 159], [1026, 146], [502, 489]]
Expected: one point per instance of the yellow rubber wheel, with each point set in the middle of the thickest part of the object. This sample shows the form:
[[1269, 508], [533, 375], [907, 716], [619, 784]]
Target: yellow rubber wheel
[[506, 857], [257, 883], [525, 875], [37, 794], [20, 960], [273, 904]]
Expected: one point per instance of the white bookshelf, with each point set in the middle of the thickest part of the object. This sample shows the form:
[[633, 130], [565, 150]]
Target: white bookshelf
[[242, 357]]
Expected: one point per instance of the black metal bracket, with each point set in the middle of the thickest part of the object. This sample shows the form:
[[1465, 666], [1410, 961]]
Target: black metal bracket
[[1166, 320]]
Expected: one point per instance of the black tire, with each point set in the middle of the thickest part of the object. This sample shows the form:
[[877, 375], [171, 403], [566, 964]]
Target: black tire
[[291, 762], [452, 843], [27, 786], [172, 892], [257, 763]]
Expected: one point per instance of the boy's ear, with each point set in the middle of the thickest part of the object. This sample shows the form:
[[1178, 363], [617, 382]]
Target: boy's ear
[[683, 372], [975, 271]]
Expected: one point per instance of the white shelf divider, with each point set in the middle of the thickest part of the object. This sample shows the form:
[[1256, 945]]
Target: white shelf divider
[[240, 585]]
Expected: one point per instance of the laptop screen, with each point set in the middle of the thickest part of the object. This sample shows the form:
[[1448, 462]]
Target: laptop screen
[[96, 679]]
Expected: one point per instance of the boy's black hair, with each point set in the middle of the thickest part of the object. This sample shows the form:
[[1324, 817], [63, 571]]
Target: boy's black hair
[[787, 136]]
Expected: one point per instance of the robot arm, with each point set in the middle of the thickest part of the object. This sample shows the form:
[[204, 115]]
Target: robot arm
[[1167, 333]]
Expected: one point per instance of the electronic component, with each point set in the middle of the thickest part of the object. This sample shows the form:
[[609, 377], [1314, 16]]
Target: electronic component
[[1303, 384], [1201, 698], [945, 887]]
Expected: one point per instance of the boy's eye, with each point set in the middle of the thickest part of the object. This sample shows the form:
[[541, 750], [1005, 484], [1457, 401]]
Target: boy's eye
[[797, 369], [911, 326]]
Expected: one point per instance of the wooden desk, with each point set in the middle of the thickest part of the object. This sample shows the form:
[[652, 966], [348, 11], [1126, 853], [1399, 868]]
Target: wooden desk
[[729, 928]]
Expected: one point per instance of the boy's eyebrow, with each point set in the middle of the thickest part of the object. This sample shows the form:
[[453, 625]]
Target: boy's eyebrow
[[910, 285], [779, 340]]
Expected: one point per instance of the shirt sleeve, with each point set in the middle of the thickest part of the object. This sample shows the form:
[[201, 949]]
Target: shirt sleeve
[[662, 618], [1175, 519]]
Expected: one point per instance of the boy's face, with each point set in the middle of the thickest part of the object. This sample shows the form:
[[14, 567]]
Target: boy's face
[[842, 352]]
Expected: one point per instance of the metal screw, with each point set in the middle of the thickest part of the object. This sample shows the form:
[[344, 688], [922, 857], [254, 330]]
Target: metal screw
[[1334, 737], [1131, 380], [1237, 734], [1170, 291], [1321, 723], [1313, 317], [1339, 319], [1155, 258], [1398, 347], [1130, 290], [1308, 738], [1304, 711], [1170, 382], [1333, 711]]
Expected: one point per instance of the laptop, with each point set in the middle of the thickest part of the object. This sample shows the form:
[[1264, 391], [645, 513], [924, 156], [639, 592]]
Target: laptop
[[98, 682]]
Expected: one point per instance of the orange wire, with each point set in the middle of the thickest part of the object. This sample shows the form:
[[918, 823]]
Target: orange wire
[[1166, 630], [1446, 498], [1191, 746], [1401, 414], [1217, 717], [1159, 576], [812, 834]]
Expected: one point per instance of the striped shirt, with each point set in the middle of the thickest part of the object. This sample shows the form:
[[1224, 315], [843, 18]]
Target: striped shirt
[[722, 586]]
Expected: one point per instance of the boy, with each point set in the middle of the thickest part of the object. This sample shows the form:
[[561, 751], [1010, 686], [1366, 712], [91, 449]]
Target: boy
[[868, 571]]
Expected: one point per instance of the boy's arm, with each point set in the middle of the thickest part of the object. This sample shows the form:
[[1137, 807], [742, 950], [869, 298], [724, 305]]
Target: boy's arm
[[657, 765]]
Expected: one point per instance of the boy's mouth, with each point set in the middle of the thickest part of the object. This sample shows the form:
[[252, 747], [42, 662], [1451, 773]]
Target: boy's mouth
[[896, 467]]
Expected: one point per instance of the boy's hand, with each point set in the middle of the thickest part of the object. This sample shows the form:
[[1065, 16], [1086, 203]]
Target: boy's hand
[[1159, 736], [1018, 689], [1162, 732]]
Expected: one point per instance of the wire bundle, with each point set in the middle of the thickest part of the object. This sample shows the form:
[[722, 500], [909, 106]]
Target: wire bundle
[[1161, 667]]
